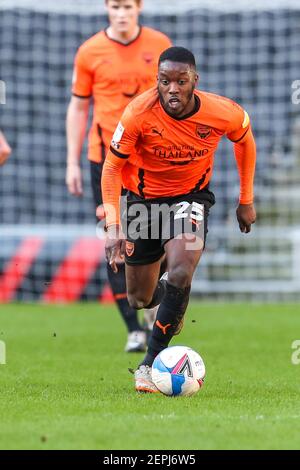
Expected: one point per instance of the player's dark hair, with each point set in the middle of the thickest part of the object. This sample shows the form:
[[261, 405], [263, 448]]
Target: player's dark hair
[[178, 54], [138, 2]]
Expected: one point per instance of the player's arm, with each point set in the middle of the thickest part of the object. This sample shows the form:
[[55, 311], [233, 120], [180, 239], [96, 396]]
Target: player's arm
[[5, 149], [245, 154], [76, 124], [111, 185], [123, 142], [77, 119]]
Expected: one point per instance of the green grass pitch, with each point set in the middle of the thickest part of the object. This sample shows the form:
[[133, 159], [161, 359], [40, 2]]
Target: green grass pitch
[[66, 385]]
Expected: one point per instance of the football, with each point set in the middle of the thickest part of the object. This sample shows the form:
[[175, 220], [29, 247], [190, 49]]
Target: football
[[178, 371]]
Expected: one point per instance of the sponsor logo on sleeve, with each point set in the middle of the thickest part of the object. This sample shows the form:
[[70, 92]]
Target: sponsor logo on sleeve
[[117, 136], [246, 120], [118, 133], [74, 76]]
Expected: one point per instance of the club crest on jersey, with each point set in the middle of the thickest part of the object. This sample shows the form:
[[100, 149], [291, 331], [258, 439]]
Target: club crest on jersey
[[129, 248], [203, 131]]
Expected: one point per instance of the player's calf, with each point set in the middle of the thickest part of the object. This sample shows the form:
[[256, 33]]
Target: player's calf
[[169, 317]]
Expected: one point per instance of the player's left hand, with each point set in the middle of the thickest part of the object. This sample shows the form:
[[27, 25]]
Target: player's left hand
[[246, 216]]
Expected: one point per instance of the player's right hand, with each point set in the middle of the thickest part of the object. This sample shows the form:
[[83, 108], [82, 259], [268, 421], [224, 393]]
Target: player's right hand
[[100, 212], [5, 149], [74, 179], [114, 246]]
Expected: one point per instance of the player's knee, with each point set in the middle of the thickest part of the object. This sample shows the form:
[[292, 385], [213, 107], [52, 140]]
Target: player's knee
[[137, 300], [180, 276]]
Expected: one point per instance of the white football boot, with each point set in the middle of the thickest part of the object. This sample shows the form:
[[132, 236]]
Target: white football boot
[[143, 380], [136, 342]]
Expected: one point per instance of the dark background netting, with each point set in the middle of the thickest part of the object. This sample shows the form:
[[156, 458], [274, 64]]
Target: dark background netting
[[252, 57]]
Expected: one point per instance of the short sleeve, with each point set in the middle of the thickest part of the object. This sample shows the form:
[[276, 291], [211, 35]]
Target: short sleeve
[[239, 123], [82, 82], [126, 134]]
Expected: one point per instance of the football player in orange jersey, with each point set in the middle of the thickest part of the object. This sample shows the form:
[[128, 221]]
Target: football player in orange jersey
[[162, 151], [5, 149], [112, 67]]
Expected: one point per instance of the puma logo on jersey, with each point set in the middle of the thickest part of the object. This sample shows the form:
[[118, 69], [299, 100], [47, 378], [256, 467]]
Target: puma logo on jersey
[[155, 131]]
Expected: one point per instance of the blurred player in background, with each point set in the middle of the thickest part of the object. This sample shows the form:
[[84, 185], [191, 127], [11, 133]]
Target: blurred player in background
[[162, 152], [5, 149], [112, 67]]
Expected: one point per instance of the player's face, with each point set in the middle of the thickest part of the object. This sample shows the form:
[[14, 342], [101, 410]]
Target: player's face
[[123, 14], [176, 84]]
